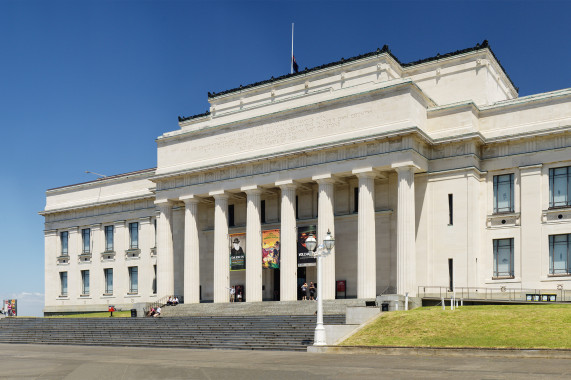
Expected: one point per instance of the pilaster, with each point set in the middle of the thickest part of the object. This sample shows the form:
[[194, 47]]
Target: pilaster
[[406, 255], [165, 259]]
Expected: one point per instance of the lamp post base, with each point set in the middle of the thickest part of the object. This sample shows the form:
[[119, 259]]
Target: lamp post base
[[319, 337]]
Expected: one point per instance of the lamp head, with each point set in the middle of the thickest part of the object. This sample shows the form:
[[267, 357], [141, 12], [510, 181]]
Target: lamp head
[[329, 241], [310, 243]]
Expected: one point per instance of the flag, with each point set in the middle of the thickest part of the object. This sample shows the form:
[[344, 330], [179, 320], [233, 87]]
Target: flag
[[295, 66]]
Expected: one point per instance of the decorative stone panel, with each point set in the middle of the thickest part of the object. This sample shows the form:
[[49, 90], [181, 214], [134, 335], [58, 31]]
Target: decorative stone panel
[[503, 220], [556, 215]]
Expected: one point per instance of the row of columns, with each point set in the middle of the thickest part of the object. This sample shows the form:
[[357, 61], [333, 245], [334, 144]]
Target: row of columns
[[366, 256]]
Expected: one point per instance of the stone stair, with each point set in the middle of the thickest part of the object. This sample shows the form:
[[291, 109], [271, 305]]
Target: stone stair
[[330, 307], [266, 332]]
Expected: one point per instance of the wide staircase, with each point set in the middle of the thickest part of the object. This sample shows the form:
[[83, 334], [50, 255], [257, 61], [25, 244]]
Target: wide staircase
[[244, 332], [330, 307]]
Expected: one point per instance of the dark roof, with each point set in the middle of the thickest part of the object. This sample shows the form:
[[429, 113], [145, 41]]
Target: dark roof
[[385, 49]]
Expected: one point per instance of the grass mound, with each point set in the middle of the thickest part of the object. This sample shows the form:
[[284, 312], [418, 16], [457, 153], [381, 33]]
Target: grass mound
[[491, 326]]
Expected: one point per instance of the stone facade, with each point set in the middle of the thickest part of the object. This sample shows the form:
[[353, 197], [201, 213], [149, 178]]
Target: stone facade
[[404, 164]]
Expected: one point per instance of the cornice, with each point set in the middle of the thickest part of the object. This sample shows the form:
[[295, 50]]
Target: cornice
[[96, 204]]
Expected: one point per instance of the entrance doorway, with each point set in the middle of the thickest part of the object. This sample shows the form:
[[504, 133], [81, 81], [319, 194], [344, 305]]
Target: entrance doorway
[[301, 279], [276, 296]]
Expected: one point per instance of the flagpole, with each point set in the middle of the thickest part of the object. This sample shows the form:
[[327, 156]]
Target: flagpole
[[291, 70]]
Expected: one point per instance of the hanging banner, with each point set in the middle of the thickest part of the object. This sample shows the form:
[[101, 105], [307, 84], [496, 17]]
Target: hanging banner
[[271, 249], [237, 251], [304, 258]]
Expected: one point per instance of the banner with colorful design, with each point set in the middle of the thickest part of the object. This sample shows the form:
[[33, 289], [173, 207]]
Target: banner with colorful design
[[271, 249]]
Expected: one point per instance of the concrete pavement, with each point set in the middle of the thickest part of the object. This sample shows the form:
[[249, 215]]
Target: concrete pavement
[[21, 361]]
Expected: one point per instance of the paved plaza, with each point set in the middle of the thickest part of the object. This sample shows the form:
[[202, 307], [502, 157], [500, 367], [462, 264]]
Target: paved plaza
[[20, 361]]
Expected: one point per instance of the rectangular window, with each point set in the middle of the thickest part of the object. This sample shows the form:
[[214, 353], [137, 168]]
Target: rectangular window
[[64, 238], [560, 254], [503, 193], [108, 272], [230, 215], [155, 279], [451, 274], [85, 282], [133, 279], [63, 283], [133, 235], [450, 209], [263, 211], [109, 238], [503, 258], [155, 224], [560, 187], [86, 240], [356, 199]]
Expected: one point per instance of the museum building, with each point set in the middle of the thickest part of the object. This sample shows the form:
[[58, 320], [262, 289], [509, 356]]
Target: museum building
[[428, 174]]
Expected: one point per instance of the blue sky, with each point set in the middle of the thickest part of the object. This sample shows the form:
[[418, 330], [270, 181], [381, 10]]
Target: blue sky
[[89, 85]]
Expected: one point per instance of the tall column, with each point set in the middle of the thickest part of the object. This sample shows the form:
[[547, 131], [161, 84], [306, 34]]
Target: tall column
[[366, 254], [288, 250], [165, 259], [326, 222], [191, 250], [221, 250], [406, 240], [253, 245]]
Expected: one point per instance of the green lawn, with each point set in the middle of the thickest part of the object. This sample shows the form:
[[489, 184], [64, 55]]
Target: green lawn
[[512, 326], [103, 314]]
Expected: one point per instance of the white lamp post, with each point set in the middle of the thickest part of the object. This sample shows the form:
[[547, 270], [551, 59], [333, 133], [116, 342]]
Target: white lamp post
[[323, 250]]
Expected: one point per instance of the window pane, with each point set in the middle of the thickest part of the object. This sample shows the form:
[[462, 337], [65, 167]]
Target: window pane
[[64, 241], [558, 254], [109, 281], [503, 193], [86, 240], [133, 279], [108, 238], [503, 258], [134, 235], [63, 280]]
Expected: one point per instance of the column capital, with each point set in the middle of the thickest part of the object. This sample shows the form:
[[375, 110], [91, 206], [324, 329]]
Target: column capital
[[119, 223], [163, 202], [95, 226], [405, 166], [145, 220], [253, 189], [324, 178], [219, 194], [187, 199], [287, 184], [366, 173]]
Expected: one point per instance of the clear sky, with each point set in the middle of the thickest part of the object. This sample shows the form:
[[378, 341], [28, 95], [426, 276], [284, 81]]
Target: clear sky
[[89, 85]]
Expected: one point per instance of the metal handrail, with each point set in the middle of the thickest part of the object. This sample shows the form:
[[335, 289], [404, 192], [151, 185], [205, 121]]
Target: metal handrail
[[502, 293]]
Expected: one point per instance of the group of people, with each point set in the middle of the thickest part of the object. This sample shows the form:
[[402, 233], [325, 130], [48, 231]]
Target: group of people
[[235, 297], [172, 301], [154, 312], [308, 292]]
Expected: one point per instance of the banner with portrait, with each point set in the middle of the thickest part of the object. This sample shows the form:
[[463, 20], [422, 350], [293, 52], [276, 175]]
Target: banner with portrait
[[271, 249], [237, 251], [304, 257]]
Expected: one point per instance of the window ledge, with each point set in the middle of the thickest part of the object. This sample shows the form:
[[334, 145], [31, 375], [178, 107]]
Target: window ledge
[[556, 215], [499, 280], [63, 259], [133, 295], [109, 295], [510, 219], [62, 297], [84, 296], [133, 253]]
